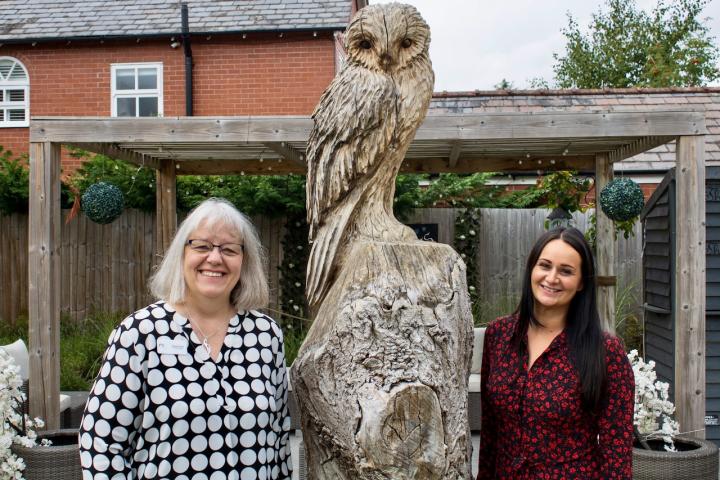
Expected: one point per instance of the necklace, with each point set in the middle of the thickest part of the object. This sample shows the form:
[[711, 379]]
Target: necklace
[[206, 338]]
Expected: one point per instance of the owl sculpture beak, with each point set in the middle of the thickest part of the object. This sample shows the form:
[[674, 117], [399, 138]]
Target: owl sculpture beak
[[386, 60]]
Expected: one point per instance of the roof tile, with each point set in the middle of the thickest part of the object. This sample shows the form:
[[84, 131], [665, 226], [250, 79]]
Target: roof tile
[[660, 158], [38, 19]]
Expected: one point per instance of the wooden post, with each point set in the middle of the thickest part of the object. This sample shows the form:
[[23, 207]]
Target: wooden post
[[605, 246], [166, 222], [44, 284], [689, 302]]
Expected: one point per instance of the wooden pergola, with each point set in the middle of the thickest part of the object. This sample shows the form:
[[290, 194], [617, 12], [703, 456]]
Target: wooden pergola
[[463, 143]]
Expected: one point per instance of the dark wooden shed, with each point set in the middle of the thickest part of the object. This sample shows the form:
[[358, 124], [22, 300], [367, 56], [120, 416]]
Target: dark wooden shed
[[659, 264]]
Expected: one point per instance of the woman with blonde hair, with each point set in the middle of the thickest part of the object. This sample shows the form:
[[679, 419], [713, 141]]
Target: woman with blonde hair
[[194, 386]]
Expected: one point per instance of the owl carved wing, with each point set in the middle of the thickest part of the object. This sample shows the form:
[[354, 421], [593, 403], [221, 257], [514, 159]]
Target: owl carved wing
[[354, 124]]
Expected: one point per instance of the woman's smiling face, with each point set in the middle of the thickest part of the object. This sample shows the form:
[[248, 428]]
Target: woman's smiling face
[[556, 276], [211, 275]]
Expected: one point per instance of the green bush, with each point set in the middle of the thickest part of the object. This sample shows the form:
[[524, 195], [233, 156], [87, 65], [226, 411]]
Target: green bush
[[82, 345], [14, 181]]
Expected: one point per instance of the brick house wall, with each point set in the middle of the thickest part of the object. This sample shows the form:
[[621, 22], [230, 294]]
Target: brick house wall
[[262, 74]]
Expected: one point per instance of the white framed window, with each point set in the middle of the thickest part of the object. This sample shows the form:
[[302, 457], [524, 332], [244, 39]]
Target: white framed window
[[14, 93], [137, 89]]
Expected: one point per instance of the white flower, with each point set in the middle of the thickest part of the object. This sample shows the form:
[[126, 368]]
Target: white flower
[[652, 404], [11, 398]]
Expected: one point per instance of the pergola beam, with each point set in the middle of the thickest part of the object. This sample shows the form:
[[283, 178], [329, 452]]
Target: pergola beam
[[454, 154], [112, 150], [640, 145], [585, 163], [287, 152], [502, 142], [500, 126]]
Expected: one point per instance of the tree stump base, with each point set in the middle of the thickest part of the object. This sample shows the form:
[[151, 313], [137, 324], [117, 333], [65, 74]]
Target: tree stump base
[[382, 376]]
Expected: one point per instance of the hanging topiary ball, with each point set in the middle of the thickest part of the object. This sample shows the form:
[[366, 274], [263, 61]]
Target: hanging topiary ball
[[622, 199], [102, 202]]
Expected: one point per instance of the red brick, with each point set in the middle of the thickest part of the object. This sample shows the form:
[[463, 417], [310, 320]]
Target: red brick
[[232, 76]]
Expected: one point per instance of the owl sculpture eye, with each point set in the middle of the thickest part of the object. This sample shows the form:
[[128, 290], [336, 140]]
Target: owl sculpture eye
[[365, 44], [406, 43]]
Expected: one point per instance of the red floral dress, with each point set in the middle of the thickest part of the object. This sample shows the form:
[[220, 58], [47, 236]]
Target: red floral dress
[[533, 424]]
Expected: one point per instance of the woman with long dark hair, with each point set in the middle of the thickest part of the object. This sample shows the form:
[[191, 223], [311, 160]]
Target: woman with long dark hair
[[557, 391]]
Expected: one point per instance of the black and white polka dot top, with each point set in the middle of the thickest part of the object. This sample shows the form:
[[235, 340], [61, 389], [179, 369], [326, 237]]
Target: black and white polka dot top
[[162, 408]]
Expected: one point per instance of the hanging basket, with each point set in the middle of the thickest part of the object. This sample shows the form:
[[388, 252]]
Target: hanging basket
[[103, 202], [695, 460], [622, 199], [60, 461]]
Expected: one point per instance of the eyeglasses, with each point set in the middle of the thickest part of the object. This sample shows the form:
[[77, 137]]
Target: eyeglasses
[[226, 249]]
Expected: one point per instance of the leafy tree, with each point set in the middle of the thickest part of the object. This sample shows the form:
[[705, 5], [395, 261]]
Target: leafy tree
[[504, 84], [627, 47]]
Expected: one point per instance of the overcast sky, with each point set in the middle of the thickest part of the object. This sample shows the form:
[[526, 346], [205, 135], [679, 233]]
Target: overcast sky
[[477, 43]]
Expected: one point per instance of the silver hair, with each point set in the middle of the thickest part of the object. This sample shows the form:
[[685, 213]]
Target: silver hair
[[251, 291]]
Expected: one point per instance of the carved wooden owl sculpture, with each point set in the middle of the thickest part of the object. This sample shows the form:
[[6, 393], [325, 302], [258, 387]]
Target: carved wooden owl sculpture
[[364, 124]]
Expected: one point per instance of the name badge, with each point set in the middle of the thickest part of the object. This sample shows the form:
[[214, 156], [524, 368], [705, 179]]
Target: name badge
[[176, 346]]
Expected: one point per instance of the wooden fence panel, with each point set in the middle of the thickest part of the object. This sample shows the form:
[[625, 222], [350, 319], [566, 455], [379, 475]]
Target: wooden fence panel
[[107, 267]]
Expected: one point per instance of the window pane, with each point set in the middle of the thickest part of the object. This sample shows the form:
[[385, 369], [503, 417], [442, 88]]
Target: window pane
[[16, 115], [147, 78], [2, 115], [126, 107], [2, 95], [17, 73], [125, 78], [16, 95], [5, 67], [148, 107]]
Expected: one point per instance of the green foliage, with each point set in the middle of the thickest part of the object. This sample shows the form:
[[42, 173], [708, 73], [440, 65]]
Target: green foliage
[[626, 47], [293, 340], [14, 181], [504, 84], [628, 323], [82, 345], [292, 274], [137, 184], [272, 195], [485, 310], [564, 190], [467, 226], [408, 194]]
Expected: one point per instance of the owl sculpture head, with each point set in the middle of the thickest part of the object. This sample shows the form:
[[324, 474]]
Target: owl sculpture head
[[387, 37]]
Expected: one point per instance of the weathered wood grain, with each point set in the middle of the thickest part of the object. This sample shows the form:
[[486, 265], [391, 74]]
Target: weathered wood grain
[[690, 286], [605, 247], [44, 275], [382, 376], [166, 205]]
